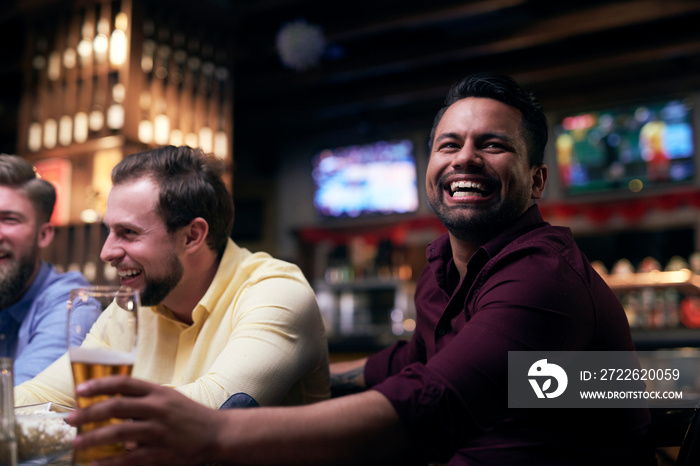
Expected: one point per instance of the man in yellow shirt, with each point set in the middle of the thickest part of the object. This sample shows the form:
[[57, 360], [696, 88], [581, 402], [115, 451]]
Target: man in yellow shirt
[[216, 320]]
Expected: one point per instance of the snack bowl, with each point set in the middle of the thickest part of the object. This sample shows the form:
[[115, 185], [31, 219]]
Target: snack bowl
[[42, 433]]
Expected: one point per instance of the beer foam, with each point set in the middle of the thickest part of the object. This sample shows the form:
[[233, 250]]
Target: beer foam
[[101, 356]]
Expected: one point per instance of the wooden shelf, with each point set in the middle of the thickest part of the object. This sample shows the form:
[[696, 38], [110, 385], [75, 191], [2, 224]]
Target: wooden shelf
[[682, 279], [670, 338]]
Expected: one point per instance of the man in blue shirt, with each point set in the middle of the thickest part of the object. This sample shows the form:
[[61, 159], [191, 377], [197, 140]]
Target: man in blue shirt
[[33, 294]]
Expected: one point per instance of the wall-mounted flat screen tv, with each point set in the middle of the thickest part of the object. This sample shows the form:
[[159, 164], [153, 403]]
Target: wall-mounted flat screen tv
[[358, 180], [626, 148]]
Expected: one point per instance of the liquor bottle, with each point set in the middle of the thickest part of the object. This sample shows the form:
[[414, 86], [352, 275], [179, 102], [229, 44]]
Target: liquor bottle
[[65, 122], [175, 86], [161, 122], [221, 77], [189, 101], [96, 117], [118, 42], [54, 73], [37, 86], [80, 122], [100, 44], [8, 434], [50, 132], [85, 49], [148, 49], [204, 98], [115, 112], [84, 84], [70, 92]]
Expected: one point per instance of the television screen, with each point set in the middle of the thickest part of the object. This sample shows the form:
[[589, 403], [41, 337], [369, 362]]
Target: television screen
[[634, 148], [377, 178]]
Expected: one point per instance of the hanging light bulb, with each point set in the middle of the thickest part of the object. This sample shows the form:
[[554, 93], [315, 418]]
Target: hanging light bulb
[[65, 130], [85, 50], [191, 140], [117, 48], [115, 112], [205, 139], [100, 45], [121, 21], [50, 133], [34, 138], [145, 131], [70, 58], [221, 144], [54, 67], [101, 42], [176, 137], [161, 133], [118, 41], [80, 127]]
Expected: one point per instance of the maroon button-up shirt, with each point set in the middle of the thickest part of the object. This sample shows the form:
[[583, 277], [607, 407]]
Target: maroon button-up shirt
[[529, 288]]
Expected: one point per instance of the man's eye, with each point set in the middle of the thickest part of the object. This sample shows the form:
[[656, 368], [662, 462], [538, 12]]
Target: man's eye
[[127, 232], [494, 145], [449, 145]]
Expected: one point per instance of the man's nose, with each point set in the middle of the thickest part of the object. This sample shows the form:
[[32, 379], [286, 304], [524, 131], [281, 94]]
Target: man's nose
[[110, 250], [467, 156]]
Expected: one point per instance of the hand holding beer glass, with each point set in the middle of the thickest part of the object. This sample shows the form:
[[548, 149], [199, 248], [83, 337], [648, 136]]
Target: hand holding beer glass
[[109, 348]]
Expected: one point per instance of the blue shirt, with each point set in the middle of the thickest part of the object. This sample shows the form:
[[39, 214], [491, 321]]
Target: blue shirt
[[33, 330]]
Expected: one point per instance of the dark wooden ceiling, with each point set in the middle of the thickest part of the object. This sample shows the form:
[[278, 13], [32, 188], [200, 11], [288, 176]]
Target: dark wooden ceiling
[[389, 63]]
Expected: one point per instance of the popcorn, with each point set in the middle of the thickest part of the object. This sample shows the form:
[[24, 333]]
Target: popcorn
[[42, 433]]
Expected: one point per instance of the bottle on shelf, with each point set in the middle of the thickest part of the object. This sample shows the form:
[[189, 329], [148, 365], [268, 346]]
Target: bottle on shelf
[[221, 99], [205, 97], [38, 94]]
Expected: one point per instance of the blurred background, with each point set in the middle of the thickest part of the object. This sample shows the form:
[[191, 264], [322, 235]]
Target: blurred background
[[321, 111]]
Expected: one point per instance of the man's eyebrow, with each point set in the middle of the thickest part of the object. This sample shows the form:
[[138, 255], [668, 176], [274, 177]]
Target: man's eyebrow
[[121, 225], [485, 136], [442, 136], [13, 212], [494, 135]]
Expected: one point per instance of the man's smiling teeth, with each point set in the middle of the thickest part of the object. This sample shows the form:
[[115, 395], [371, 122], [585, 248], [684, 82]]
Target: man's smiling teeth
[[466, 188], [128, 273]]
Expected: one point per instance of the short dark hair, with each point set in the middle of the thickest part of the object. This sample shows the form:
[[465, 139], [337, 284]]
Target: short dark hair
[[504, 89], [191, 186], [17, 173]]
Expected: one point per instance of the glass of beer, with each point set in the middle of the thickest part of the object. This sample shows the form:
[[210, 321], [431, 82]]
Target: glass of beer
[[107, 348]]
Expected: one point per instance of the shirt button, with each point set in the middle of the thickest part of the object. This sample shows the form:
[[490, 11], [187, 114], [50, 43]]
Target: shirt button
[[2, 337], [442, 332]]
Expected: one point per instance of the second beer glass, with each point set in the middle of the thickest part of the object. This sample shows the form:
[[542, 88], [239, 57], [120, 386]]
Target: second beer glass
[[109, 348]]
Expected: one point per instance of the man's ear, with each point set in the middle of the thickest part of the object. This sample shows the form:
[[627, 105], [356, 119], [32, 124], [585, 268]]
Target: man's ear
[[46, 232], [196, 234], [539, 180]]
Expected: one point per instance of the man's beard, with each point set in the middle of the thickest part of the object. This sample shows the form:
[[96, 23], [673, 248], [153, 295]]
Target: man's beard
[[158, 288], [477, 224], [15, 276]]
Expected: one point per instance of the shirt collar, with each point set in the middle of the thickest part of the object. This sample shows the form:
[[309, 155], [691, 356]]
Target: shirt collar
[[439, 251], [531, 219]]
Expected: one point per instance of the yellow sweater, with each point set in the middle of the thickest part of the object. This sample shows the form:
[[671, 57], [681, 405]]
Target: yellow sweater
[[257, 330]]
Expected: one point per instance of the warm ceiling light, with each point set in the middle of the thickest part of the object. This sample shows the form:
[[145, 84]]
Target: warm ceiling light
[[121, 21], [117, 48]]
